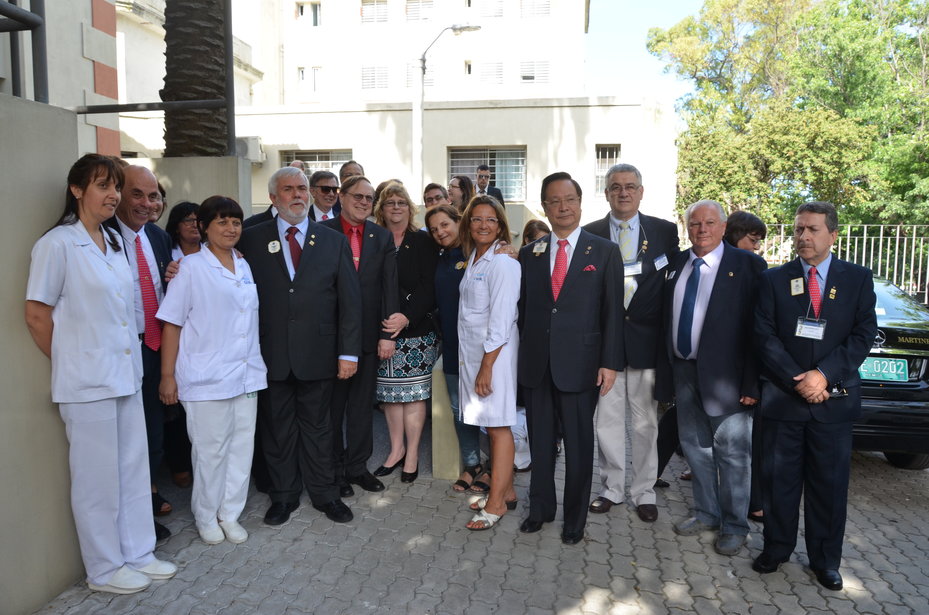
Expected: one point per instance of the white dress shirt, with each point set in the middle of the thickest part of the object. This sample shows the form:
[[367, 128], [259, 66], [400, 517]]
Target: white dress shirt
[[708, 273], [569, 249], [129, 236], [300, 236]]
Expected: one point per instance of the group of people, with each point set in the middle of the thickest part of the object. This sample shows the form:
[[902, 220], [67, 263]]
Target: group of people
[[279, 333]]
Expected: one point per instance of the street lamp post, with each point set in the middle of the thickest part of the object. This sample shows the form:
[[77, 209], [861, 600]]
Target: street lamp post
[[417, 127]]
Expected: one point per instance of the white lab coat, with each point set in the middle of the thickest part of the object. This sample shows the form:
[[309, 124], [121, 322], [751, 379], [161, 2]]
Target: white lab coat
[[486, 321]]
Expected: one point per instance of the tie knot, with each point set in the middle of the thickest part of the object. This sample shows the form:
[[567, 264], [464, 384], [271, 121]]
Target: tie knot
[[812, 271], [291, 232], [562, 243], [624, 225], [698, 262], [356, 230]]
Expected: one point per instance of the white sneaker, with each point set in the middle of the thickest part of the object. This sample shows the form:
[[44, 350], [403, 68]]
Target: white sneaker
[[211, 535], [234, 532], [124, 581], [159, 569]]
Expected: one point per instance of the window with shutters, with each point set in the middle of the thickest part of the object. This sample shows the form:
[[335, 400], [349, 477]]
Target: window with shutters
[[533, 71], [373, 11], [418, 10], [535, 8], [491, 73], [412, 75], [373, 77], [507, 168], [490, 8], [317, 160], [607, 156]]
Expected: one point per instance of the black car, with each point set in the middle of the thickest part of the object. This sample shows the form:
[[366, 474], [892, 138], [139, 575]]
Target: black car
[[895, 382]]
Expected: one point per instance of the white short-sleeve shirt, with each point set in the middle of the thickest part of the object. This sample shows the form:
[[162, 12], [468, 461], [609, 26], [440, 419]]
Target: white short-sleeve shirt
[[217, 310], [96, 352]]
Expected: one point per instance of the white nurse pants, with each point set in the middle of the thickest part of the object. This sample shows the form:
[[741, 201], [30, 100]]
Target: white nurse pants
[[222, 439], [110, 485]]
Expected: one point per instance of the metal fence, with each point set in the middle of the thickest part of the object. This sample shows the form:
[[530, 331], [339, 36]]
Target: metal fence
[[898, 252]]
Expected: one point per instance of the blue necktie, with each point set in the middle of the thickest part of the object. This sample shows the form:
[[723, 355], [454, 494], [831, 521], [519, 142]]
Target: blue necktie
[[686, 322]]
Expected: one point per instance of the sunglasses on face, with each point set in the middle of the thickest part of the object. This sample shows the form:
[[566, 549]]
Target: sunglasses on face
[[327, 189]]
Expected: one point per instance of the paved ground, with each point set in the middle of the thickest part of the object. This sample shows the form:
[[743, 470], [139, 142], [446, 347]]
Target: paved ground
[[407, 551]]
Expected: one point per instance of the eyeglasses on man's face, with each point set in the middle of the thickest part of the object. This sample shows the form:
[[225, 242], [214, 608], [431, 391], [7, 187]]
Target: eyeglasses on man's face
[[359, 197]]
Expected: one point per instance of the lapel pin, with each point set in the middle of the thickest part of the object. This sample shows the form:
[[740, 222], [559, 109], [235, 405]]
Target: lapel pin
[[644, 245], [731, 275], [312, 243], [588, 250], [460, 265], [540, 248], [832, 293], [274, 247], [371, 235], [312, 236]]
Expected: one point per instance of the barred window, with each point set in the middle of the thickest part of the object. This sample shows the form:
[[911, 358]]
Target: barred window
[[507, 168], [533, 71], [418, 10], [373, 11], [317, 160], [373, 77], [535, 8], [607, 156]]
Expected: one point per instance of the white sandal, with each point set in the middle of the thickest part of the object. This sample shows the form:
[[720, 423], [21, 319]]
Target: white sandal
[[488, 519], [481, 503]]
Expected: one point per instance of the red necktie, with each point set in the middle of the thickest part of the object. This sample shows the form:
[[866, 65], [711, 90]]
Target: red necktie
[[815, 295], [356, 246], [152, 332], [561, 268], [295, 249], [325, 216]]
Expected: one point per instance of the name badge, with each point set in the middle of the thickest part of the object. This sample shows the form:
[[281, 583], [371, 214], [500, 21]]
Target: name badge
[[811, 329], [661, 262], [796, 287], [633, 268]]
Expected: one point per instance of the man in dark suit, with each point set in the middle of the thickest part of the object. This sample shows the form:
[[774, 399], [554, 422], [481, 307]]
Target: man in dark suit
[[258, 218], [483, 184], [148, 249], [814, 324], [353, 398], [708, 318], [324, 188], [646, 244], [570, 321], [310, 321]]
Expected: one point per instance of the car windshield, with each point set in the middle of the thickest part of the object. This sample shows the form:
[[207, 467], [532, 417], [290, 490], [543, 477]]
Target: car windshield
[[894, 304]]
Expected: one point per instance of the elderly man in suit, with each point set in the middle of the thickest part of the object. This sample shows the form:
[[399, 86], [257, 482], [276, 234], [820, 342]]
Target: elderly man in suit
[[148, 250], [570, 318], [483, 184], [324, 188], [708, 318], [647, 245], [373, 254], [814, 325], [310, 321]]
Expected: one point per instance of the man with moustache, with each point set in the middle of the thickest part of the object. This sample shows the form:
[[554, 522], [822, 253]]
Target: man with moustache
[[483, 184], [570, 321], [373, 254], [310, 321], [324, 188], [148, 249], [814, 326]]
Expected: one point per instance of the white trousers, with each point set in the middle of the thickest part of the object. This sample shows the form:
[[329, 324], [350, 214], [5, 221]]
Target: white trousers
[[634, 389], [110, 484], [520, 430], [222, 439]]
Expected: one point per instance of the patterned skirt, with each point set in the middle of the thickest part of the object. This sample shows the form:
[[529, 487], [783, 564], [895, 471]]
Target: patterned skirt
[[407, 376]]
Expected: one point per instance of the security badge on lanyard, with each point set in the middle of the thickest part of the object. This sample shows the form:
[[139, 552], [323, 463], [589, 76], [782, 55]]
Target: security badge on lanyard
[[809, 328]]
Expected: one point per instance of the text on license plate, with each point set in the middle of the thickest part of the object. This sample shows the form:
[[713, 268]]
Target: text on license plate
[[888, 370]]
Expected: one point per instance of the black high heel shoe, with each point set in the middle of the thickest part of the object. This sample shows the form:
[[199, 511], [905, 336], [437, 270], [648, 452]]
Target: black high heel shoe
[[409, 477], [385, 471]]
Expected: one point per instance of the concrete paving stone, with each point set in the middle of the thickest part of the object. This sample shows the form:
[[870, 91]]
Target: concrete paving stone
[[426, 545], [309, 597], [414, 566], [434, 582], [366, 601], [734, 600], [864, 603], [382, 540], [787, 603], [678, 595], [672, 571], [537, 610], [275, 603], [517, 578], [597, 552], [759, 608], [183, 605], [622, 566], [467, 574], [447, 558], [648, 580], [542, 595], [331, 571], [333, 606], [702, 585], [597, 575], [423, 603], [457, 596], [567, 605], [570, 584], [166, 591], [400, 592], [595, 600]]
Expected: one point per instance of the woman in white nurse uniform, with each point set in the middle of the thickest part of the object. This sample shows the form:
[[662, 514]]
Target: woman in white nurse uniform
[[488, 345], [80, 312], [211, 362]]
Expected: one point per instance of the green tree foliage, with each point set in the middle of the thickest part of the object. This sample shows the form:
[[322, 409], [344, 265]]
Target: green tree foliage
[[805, 99]]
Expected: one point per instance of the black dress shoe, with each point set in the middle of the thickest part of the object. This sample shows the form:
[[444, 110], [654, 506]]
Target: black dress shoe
[[662, 484], [366, 481], [336, 511], [829, 578], [571, 538], [765, 563], [161, 532], [530, 526], [280, 512], [345, 490], [387, 471], [409, 477]]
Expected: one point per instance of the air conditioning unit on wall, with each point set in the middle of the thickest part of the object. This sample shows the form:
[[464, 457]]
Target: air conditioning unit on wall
[[250, 149]]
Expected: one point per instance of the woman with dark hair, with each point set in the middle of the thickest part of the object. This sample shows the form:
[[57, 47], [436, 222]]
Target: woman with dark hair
[[80, 312], [488, 346], [211, 363], [534, 229], [404, 381], [442, 222], [745, 230], [182, 227], [460, 191]]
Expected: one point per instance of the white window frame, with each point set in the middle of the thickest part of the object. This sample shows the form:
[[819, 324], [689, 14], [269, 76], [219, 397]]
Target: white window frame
[[507, 167], [606, 156], [534, 71], [419, 10], [375, 77], [317, 160], [535, 8], [373, 11]]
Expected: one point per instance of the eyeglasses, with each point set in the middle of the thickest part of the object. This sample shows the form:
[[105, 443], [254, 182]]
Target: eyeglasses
[[490, 221], [367, 198], [396, 204], [481, 176], [189, 222], [620, 188], [327, 189], [434, 199], [571, 201]]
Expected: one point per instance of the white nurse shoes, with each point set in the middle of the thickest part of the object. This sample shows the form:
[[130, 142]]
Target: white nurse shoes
[[159, 570], [211, 535], [234, 532], [124, 581]]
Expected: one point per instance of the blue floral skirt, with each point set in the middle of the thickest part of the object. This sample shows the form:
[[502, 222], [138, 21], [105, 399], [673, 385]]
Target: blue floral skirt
[[407, 376]]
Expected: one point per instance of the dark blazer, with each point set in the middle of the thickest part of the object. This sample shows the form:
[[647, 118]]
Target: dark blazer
[[416, 262], [336, 211], [642, 327], [726, 367], [304, 324], [377, 274], [258, 218], [582, 331], [160, 240], [491, 191], [851, 326]]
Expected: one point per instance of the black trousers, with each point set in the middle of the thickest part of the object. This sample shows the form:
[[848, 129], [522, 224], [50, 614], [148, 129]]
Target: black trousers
[[297, 440], [154, 409], [546, 408], [811, 459], [668, 438], [353, 406]]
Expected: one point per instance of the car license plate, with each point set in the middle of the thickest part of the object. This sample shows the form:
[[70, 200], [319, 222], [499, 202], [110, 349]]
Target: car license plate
[[887, 370]]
